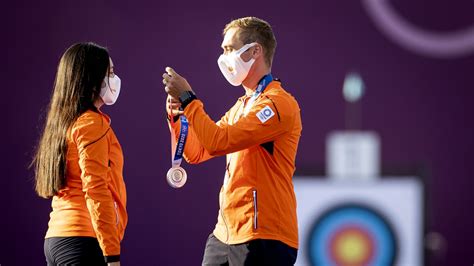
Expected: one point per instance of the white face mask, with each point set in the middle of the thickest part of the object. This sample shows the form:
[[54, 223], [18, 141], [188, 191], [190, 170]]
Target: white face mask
[[233, 67], [111, 91]]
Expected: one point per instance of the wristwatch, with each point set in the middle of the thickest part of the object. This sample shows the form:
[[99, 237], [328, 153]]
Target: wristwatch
[[186, 98]]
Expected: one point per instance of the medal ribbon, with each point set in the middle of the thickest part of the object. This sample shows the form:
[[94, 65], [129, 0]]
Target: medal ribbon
[[177, 147]]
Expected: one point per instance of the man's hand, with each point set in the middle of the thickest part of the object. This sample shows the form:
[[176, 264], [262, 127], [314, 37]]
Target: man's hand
[[175, 85], [172, 107]]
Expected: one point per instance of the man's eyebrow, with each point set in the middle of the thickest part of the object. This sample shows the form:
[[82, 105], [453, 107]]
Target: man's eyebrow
[[227, 46]]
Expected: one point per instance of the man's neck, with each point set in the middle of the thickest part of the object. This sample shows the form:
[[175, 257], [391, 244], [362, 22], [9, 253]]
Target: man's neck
[[251, 82]]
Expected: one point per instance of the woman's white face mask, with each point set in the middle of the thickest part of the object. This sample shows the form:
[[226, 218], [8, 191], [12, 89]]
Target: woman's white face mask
[[233, 67], [110, 92]]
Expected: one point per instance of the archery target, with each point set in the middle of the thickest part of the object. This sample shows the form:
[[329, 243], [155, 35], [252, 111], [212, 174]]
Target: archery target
[[352, 223], [351, 235]]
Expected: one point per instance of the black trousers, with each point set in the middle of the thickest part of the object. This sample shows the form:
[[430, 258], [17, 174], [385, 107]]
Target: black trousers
[[255, 252], [73, 251]]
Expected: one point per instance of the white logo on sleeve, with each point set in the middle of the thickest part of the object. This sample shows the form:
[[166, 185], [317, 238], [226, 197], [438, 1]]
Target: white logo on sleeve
[[265, 114]]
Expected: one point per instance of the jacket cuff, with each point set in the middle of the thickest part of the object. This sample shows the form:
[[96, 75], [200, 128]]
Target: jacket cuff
[[112, 258]]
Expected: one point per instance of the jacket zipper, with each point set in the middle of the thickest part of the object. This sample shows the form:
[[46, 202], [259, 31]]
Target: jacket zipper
[[225, 222], [116, 214], [255, 210], [221, 200]]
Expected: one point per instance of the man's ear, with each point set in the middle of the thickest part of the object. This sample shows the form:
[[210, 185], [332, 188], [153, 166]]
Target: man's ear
[[257, 51]]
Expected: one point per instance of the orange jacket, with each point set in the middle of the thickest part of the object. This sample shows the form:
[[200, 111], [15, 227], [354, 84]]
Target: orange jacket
[[257, 201], [93, 201]]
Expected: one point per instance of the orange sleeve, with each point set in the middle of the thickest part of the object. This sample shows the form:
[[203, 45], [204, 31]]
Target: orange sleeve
[[249, 130], [92, 143], [194, 152]]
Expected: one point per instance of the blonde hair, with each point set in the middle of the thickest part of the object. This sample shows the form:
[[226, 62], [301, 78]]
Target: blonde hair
[[253, 29]]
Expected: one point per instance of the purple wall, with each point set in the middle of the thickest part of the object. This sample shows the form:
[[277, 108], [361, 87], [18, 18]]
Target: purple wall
[[420, 106]]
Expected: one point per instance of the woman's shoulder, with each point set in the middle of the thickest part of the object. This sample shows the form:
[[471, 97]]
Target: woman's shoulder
[[89, 126]]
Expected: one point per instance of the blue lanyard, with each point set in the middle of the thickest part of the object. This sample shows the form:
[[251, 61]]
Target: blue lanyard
[[262, 85], [183, 134]]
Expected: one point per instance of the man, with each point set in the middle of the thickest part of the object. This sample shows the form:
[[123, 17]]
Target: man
[[257, 222]]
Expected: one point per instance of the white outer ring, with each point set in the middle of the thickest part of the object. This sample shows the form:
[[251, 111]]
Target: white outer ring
[[440, 45]]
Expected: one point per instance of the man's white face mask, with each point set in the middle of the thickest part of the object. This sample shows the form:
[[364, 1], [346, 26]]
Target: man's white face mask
[[233, 67], [111, 91]]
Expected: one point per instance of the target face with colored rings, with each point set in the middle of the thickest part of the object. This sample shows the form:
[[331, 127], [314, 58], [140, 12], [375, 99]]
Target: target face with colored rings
[[352, 235]]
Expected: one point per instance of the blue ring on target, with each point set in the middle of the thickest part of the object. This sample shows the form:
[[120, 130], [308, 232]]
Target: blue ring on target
[[331, 223]]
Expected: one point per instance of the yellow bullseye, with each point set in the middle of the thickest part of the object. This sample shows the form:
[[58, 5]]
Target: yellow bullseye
[[352, 248]]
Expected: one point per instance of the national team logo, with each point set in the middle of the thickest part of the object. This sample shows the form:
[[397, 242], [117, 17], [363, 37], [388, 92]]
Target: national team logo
[[265, 114]]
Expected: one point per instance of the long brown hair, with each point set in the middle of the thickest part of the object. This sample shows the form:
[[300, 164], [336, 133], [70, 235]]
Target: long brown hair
[[79, 77]]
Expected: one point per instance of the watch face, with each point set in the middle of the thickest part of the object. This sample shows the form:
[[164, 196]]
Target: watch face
[[184, 96]]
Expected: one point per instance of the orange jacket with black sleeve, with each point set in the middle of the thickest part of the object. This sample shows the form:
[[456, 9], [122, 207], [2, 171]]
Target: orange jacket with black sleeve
[[93, 202], [257, 199]]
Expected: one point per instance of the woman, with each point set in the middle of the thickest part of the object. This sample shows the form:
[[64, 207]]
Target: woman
[[79, 162]]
